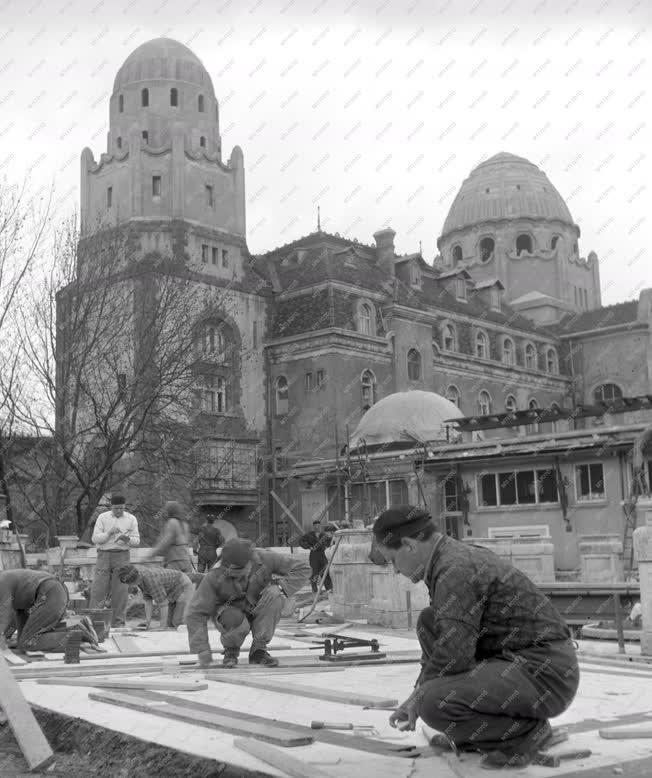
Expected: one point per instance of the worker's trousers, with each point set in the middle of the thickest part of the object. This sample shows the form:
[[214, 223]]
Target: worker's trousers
[[106, 580], [48, 609], [262, 626], [504, 702]]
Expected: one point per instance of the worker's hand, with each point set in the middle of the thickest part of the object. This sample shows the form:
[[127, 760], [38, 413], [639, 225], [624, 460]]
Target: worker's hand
[[267, 597], [405, 716], [114, 531], [123, 539], [205, 658]]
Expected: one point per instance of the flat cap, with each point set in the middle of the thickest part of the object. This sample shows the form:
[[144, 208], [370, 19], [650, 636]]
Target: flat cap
[[236, 552], [401, 521], [118, 499], [128, 574]]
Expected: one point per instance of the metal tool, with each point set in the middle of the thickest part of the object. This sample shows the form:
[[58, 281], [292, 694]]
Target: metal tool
[[339, 725], [334, 644], [554, 760]]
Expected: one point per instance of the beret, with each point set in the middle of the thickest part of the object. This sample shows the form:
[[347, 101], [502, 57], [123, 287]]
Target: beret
[[236, 553], [174, 509], [117, 499], [401, 521], [128, 574]]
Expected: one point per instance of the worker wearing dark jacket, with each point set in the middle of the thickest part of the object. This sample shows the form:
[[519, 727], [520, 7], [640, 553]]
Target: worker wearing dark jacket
[[497, 658], [240, 595], [317, 542], [31, 601], [208, 541]]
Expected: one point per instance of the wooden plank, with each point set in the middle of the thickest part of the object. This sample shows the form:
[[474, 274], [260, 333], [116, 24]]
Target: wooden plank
[[13, 659], [286, 763], [625, 734], [126, 645], [331, 737], [268, 732], [126, 683], [287, 511], [166, 652], [331, 695], [32, 742]]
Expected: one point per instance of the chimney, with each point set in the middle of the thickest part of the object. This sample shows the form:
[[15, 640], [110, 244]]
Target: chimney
[[385, 248]]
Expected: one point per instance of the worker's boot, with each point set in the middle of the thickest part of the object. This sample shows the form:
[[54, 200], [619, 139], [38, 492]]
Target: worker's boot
[[261, 657], [230, 657], [522, 756]]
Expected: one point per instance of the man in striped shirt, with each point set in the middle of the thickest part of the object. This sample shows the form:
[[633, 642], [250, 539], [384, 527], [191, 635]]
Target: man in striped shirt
[[161, 586]]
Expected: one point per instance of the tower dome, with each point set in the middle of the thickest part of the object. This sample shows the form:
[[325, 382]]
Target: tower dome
[[506, 187], [163, 59], [403, 419]]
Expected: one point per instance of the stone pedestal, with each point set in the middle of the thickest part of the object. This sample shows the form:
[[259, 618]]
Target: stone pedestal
[[68, 541], [643, 552], [601, 558], [351, 574], [532, 556], [395, 600]]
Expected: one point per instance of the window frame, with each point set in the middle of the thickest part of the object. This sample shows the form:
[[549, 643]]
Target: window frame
[[144, 97], [109, 196], [460, 289], [201, 105], [454, 256], [225, 257], [491, 253], [555, 361], [499, 505], [214, 255], [368, 381], [121, 103], [603, 399], [278, 401], [589, 500], [504, 352], [481, 335], [210, 200], [174, 97], [366, 323], [534, 366], [453, 330], [489, 404], [411, 363], [513, 403], [530, 237], [157, 186], [458, 395]]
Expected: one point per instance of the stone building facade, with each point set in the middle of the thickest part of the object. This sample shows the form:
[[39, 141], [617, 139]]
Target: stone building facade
[[507, 317]]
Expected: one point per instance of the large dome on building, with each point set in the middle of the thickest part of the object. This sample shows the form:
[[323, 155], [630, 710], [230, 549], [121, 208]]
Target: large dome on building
[[505, 187], [404, 418], [163, 59]]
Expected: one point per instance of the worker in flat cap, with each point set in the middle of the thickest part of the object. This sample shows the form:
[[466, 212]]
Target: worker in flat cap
[[497, 658], [115, 532], [245, 592]]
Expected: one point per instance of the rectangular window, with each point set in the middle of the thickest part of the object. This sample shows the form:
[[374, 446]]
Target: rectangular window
[[460, 288], [586, 299], [254, 334], [451, 501], [214, 255], [204, 254], [368, 500], [209, 196], [589, 482], [156, 186], [226, 464], [109, 196], [225, 258], [307, 383], [319, 379], [517, 487]]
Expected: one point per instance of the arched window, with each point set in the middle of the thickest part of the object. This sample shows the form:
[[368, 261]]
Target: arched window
[[174, 97], [484, 403], [481, 346], [202, 142], [121, 103], [118, 142], [607, 393], [523, 243], [457, 254], [214, 396], [532, 406], [508, 351], [414, 365], [449, 338], [365, 318], [368, 386], [530, 357], [487, 246], [144, 98], [453, 395], [281, 395], [215, 342], [200, 103], [510, 403], [554, 241], [552, 364]]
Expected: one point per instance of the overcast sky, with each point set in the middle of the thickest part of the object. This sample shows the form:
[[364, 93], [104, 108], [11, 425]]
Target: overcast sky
[[375, 110]]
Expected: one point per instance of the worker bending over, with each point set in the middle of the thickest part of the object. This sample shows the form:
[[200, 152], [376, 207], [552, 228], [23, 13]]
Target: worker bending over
[[497, 658], [240, 596], [170, 589], [31, 601]]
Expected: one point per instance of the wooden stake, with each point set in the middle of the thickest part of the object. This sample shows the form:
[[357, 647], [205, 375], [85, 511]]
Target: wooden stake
[[287, 764], [126, 683], [32, 742]]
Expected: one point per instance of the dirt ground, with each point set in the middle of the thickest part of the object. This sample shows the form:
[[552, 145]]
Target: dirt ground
[[83, 750]]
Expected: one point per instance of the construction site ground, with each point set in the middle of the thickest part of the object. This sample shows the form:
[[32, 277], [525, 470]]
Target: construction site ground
[[96, 738]]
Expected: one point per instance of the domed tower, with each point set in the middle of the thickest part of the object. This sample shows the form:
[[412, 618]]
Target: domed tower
[[163, 167], [509, 222]]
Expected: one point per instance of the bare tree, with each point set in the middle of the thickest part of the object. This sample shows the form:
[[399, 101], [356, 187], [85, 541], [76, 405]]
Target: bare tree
[[110, 347]]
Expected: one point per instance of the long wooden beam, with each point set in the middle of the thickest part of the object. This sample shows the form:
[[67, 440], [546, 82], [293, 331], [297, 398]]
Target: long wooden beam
[[269, 732], [284, 762], [132, 683], [287, 511]]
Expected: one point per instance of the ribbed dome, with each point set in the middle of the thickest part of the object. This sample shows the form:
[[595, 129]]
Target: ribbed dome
[[505, 187], [163, 58], [403, 416]]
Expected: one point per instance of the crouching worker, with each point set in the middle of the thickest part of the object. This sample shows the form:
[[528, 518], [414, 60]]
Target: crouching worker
[[497, 658], [31, 602], [166, 587], [240, 596]]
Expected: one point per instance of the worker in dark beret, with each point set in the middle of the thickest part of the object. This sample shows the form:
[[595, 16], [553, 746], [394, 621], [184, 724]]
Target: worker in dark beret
[[245, 592], [317, 541], [497, 658]]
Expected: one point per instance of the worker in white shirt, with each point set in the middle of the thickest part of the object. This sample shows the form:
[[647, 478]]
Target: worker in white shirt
[[114, 533]]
